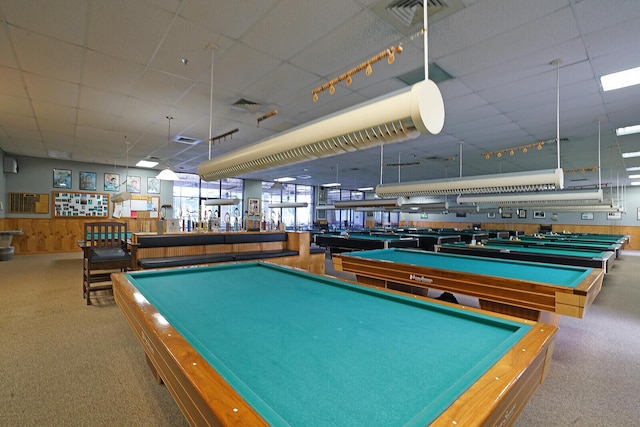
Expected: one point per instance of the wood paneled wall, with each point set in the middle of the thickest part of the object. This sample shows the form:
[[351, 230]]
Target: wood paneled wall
[[49, 235]]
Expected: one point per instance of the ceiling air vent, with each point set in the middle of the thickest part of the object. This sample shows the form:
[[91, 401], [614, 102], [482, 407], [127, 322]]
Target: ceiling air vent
[[246, 105], [187, 140], [406, 15]]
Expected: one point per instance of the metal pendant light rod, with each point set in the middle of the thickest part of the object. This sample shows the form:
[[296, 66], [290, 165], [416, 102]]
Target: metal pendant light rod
[[557, 63], [426, 40], [213, 48]]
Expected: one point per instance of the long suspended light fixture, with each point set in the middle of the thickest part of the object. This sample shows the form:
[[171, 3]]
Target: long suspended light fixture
[[580, 208], [121, 197], [125, 195], [550, 179], [373, 203], [542, 198], [288, 205], [404, 114], [221, 202]]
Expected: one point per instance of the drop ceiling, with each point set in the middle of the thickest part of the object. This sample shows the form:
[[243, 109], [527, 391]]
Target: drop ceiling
[[77, 78]]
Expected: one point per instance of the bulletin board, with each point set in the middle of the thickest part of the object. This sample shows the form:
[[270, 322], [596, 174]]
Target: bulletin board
[[138, 207], [80, 204]]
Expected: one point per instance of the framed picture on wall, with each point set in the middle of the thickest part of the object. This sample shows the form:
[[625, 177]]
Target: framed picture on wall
[[586, 216], [111, 182], [522, 213], [638, 214], [153, 185], [62, 178], [88, 181], [506, 214], [538, 214], [254, 207], [614, 215], [133, 184], [491, 215]]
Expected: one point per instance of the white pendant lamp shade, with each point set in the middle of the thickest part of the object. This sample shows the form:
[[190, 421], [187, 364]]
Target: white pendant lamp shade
[[168, 175]]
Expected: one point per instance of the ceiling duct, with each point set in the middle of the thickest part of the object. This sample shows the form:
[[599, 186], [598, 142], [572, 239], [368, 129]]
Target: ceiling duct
[[404, 114], [550, 179]]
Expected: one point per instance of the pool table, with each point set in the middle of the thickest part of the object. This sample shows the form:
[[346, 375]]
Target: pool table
[[256, 344], [529, 290], [528, 241], [563, 256], [362, 242]]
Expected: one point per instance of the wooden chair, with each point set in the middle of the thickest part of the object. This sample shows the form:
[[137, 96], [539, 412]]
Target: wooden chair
[[105, 250]]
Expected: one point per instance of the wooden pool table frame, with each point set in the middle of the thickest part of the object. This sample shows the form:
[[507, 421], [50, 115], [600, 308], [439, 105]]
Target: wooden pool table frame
[[525, 299], [206, 399]]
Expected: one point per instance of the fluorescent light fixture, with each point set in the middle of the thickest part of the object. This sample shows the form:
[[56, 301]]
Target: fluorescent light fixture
[[506, 182], [633, 169], [373, 203], [168, 175], [631, 154], [629, 130], [398, 116], [635, 183], [284, 179], [288, 205], [366, 189], [221, 202], [540, 198], [634, 176], [146, 164], [121, 197], [325, 207], [331, 184], [418, 201], [581, 208], [620, 79]]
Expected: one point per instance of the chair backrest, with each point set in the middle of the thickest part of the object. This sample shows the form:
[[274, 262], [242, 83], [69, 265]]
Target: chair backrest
[[105, 234]]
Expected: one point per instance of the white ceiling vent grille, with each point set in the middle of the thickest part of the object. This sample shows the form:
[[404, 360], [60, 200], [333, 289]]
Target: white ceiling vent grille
[[187, 140], [406, 15], [246, 105]]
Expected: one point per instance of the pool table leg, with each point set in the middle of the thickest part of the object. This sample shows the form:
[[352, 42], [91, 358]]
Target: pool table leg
[[155, 372], [521, 312]]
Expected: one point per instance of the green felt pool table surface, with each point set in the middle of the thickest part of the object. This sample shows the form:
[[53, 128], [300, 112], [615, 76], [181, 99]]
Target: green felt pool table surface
[[603, 246], [302, 349]]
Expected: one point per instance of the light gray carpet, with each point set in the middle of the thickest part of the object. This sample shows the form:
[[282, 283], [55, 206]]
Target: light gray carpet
[[64, 363]]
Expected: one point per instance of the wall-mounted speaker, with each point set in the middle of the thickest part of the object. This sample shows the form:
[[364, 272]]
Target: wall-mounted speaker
[[10, 165]]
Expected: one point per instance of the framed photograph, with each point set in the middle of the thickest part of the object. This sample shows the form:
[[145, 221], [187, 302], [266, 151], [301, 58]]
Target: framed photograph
[[321, 214], [88, 181], [614, 215], [62, 178], [491, 215], [424, 215], [587, 216], [111, 182], [254, 207], [638, 214], [506, 214], [522, 213], [538, 214], [153, 185], [133, 184]]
